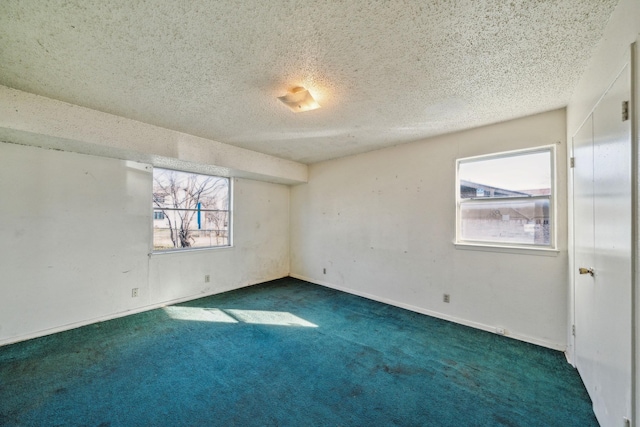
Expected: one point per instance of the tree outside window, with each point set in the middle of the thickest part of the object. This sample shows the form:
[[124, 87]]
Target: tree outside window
[[190, 210]]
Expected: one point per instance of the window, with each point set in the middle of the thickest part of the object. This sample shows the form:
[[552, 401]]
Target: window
[[507, 199], [189, 210]]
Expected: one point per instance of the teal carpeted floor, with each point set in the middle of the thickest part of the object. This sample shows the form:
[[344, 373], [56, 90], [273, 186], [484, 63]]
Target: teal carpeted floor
[[286, 353]]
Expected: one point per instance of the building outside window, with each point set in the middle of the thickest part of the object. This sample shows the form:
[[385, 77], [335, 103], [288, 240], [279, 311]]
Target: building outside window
[[507, 199]]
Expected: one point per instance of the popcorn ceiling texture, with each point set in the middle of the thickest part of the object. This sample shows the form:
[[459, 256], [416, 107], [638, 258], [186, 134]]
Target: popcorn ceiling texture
[[385, 73]]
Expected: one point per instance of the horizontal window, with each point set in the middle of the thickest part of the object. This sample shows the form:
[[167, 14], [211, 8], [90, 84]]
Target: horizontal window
[[190, 210], [506, 199], [507, 221]]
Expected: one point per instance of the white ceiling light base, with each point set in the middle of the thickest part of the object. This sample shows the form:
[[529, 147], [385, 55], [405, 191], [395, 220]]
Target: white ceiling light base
[[299, 99]]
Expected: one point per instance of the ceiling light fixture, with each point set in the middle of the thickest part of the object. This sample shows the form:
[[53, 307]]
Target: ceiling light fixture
[[299, 99]]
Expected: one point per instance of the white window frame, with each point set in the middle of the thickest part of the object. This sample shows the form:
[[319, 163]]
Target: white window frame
[[509, 247], [230, 220]]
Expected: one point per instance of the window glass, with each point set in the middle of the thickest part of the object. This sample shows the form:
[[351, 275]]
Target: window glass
[[506, 199], [520, 174], [190, 210]]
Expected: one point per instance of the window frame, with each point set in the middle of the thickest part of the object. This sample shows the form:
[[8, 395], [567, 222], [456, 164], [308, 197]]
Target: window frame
[[495, 245], [230, 221]]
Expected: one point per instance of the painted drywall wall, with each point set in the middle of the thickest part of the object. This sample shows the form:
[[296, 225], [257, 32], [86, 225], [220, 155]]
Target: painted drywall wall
[[622, 30], [382, 224], [260, 248], [35, 120], [76, 234]]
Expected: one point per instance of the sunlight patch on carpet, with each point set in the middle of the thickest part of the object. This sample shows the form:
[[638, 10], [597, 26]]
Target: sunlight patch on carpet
[[199, 314], [260, 317], [280, 318]]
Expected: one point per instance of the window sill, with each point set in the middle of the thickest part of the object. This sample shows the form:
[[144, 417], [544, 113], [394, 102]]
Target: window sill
[[507, 249], [192, 250]]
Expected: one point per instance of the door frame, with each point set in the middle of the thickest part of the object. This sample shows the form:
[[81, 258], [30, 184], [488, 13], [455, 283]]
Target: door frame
[[635, 230], [634, 103]]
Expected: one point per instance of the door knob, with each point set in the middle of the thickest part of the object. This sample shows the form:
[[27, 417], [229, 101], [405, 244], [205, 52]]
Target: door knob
[[590, 271]]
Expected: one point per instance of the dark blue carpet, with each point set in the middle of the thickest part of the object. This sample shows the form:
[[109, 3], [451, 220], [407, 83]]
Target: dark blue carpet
[[286, 353]]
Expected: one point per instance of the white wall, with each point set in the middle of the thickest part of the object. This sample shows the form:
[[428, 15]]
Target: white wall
[[622, 30], [260, 248], [76, 234], [383, 224], [30, 119]]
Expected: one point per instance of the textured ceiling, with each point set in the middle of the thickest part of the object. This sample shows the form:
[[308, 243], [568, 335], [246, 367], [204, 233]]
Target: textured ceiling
[[385, 72]]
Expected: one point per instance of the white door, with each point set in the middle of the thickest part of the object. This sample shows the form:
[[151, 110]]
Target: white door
[[602, 233]]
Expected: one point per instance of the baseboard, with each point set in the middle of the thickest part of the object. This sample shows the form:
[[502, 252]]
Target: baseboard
[[465, 322], [443, 316], [79, 324]]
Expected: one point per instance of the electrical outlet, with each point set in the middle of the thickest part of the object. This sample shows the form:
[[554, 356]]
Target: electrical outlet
[[134, 292], [501, 331], [324, 271], [207, 278], [446, 298]]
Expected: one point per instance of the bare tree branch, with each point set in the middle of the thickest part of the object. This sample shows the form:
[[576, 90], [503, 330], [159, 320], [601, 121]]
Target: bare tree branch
[[181, 196]]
